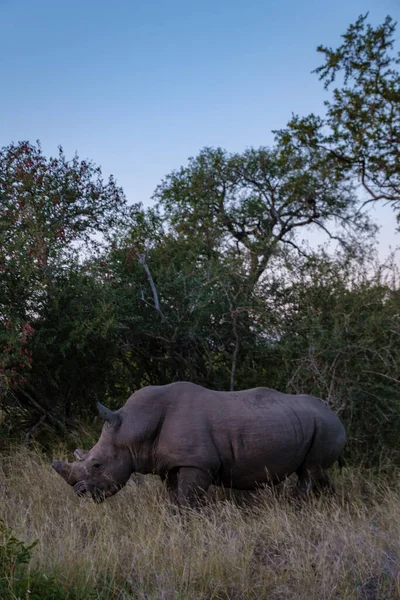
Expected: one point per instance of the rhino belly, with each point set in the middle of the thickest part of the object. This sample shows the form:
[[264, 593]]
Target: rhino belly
[[247, 467], [249, 481]]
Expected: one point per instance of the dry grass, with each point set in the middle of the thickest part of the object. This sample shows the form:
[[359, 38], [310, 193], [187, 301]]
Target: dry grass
[[135, 547]]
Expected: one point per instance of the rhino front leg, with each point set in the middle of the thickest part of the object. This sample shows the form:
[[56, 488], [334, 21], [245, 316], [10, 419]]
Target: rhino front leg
[[192, 484]]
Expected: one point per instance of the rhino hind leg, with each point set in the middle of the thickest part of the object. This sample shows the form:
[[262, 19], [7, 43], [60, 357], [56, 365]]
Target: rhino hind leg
[[188, 485], [172, 485], [313, 481]]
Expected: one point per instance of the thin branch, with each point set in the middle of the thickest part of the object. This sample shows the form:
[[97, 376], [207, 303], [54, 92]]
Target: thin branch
[[369, 190], [234, 356], [364, 204], [142, 260], [237, 342], [331, 236], [45, 412], [295, 246], [383, 375], [32, 430], [289, 224]]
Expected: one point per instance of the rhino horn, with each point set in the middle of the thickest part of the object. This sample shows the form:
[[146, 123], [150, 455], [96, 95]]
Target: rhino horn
[[62, 468], [57, 465], [80, 454], [108, 415]]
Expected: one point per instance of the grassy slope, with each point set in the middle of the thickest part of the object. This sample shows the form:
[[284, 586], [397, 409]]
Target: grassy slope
[[133, 546]]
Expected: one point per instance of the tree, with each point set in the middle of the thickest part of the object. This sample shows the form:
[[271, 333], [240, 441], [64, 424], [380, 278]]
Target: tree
[[361, 127], [51, 212]]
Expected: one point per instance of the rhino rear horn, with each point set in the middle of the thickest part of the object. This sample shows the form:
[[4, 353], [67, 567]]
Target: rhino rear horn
[[108, 415], [80, 454]]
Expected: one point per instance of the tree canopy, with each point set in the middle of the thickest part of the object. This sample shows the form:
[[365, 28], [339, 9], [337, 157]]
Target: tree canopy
[[360, 130], [250, 205]]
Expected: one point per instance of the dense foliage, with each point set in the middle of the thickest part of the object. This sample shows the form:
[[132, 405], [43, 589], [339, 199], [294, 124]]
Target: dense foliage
[[214, 283]]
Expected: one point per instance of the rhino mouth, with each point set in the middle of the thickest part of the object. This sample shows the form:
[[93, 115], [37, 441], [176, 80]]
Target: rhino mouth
[[84, 490]]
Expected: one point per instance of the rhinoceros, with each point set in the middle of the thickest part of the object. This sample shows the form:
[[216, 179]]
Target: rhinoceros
[[193, 437]]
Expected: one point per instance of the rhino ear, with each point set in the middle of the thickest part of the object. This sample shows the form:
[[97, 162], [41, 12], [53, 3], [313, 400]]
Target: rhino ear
[[80, 454], [108, 415]]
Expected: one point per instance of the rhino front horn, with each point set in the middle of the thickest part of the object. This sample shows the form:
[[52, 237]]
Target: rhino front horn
[[108, 415], [63, 469]]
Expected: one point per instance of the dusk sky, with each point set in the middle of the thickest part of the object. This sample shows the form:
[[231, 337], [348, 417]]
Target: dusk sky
[[139, 86]]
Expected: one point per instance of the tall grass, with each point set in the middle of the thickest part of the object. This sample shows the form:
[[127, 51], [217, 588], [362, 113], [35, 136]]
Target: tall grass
[[134, 546]]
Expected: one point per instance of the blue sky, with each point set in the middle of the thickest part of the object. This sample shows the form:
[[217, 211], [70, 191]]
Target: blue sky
[[139, 86]]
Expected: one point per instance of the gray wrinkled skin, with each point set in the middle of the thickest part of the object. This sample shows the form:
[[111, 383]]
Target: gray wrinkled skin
[[193, 437]]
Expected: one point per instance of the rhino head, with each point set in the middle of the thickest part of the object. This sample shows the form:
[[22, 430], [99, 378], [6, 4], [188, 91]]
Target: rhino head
[[103, 470]]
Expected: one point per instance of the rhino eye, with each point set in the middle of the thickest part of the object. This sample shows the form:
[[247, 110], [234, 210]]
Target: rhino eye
[[96, 465]]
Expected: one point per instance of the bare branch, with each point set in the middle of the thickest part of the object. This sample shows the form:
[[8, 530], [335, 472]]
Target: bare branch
[[32, 430], [43, 410], [142, 260], [295, 247], [237, 342]]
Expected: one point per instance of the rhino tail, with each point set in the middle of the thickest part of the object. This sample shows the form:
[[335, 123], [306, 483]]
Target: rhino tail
[[341, 462]]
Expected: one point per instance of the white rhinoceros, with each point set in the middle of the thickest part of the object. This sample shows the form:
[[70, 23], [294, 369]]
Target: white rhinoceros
[[194, 437]]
